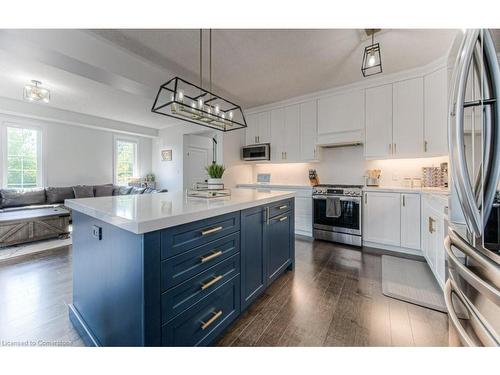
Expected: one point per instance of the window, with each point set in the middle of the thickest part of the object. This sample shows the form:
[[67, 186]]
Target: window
[[22, 158], [125, 161]]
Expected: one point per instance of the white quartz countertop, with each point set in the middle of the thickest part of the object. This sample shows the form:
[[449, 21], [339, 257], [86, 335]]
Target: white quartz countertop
[[149, 212], [276, 186], [398, 189]]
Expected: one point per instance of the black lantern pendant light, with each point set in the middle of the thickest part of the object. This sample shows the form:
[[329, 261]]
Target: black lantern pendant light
[[372, 62], [185, 101]]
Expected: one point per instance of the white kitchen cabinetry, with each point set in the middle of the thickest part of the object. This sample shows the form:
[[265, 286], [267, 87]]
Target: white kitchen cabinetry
[[410, 221], [285, 134], [378, 133], [408, 118], [436, 113], [382, 218], [277, 126], [308, 130], [341, 118], [433, 234], [258, 128]]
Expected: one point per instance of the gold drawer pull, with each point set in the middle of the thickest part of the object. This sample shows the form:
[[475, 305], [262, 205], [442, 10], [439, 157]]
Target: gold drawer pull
[[211, 282], [208, 323], [214, 254], [431, 224], [210, 231], [283, 218], [282, 207]]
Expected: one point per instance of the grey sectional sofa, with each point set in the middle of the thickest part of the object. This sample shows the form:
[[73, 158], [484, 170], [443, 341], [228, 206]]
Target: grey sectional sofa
[[30, 215]]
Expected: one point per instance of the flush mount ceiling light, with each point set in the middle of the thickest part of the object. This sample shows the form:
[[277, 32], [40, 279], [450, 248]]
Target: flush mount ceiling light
[[372, 62], [186, 101], [36, 93]]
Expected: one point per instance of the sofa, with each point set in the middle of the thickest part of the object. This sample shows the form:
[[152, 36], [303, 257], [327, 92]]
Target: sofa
[[34, 214]]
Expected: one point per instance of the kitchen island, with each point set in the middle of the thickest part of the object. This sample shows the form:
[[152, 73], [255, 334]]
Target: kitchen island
[[170, 270]]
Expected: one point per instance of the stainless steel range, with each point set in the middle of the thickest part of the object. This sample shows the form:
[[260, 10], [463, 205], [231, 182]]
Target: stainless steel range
[[337, 213]]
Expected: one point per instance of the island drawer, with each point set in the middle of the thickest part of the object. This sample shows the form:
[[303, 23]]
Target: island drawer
[[203, 322], [181, 267], [278, 208], [186, 294], [188, 236]]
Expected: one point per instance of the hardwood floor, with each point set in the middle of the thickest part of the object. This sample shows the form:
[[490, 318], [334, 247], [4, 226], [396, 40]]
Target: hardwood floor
[[333, 298]]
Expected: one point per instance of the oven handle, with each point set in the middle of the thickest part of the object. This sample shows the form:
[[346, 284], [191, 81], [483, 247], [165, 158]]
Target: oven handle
[[342, 198]]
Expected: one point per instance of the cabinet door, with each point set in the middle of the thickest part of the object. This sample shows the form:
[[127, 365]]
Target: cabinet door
[[264, 132], [430, 225], [308, 130], [408, 118], [436, 113], [425, 238], [410, 221], [291, 133], [382, 213], [378, 141], [277, 136], [341, 113], [278, 244], [252, 129], [253, 259]]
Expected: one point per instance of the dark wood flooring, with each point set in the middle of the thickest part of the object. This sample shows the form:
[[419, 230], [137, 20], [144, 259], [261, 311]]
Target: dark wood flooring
[[333, 298]]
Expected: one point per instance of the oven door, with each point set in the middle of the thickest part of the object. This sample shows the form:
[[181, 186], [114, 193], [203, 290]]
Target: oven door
[[349, 221]]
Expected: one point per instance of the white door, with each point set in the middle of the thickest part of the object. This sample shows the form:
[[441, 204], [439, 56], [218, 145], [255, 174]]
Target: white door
[[252, 128], [291, 133], [436, 113], [382, 213], [277, 136], [408, 118], [308, 130], [196, 161], [378, 136], [264, 132], [410, 221], [341, 112]]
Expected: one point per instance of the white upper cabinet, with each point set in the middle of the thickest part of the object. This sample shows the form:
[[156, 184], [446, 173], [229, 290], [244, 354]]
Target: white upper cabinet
[[277, 129], [285, 134], [341, 118], [436, 113], [408, 118], [410, 221], [258, 128], [378, 133], [382, 218], [308, 130]]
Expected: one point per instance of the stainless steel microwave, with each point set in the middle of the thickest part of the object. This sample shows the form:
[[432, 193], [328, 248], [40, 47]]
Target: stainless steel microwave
[[256, 152]]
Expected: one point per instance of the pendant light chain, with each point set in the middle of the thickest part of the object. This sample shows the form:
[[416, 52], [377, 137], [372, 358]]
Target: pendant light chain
[[210, 57], [201, 58]]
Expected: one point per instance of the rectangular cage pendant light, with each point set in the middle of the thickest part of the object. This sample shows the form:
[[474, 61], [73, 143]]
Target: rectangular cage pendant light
[[185, 101], [372, 61]]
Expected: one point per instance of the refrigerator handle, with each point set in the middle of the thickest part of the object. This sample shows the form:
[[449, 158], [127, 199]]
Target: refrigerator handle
[[458, 163]]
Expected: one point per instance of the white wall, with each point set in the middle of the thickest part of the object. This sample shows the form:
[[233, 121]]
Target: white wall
[[78, 155], [344, 165]]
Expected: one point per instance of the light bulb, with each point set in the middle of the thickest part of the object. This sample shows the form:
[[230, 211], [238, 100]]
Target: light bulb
[[216, 109], [231, 115], [180, 96], [200, 103], [371, 60]]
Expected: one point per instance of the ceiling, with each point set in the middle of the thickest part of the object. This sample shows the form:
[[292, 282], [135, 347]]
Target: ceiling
[[115, 74], [255, 67]]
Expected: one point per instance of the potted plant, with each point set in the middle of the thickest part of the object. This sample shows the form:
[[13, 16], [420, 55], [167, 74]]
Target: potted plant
[[215, 172]]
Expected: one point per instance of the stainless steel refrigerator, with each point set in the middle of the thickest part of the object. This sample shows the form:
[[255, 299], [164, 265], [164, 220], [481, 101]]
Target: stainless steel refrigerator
[[472, 291]]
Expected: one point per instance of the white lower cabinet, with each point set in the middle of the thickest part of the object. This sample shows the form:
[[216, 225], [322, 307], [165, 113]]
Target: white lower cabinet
[[410, 221], [433, 234], [392, 220], [382, 222]]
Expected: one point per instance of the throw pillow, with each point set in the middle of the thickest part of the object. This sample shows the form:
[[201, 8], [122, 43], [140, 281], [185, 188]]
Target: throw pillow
[[83, 191], [104, 190]]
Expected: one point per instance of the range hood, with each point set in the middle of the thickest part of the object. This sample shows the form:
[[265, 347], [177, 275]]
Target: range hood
[[341, 139]]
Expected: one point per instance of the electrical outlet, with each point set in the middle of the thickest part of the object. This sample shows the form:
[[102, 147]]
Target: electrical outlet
[[97, 232], [395, 177]]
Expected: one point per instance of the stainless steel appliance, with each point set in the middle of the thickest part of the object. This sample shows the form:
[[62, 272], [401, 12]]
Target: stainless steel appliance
[[346, 228], [472, 291], [256, 152]]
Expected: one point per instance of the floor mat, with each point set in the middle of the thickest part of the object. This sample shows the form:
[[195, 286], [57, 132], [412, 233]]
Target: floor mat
[[411, 281]]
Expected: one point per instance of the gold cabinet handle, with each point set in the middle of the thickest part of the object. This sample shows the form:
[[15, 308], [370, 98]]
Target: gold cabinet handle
[[283, 218], [267, 215], [210, 231], [390, 148], [282, 207], [214, 254], [431, 222], [425, 146], [208, 323], [404, 201], [216, 279]]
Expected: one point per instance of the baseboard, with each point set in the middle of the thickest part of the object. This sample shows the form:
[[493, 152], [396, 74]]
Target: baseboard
[[380, 249], [81, 327]]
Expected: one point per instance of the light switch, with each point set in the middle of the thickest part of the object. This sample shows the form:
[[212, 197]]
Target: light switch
[[97, 232]]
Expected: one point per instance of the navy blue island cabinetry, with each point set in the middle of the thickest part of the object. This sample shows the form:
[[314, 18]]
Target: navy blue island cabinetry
[[179, 286]]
